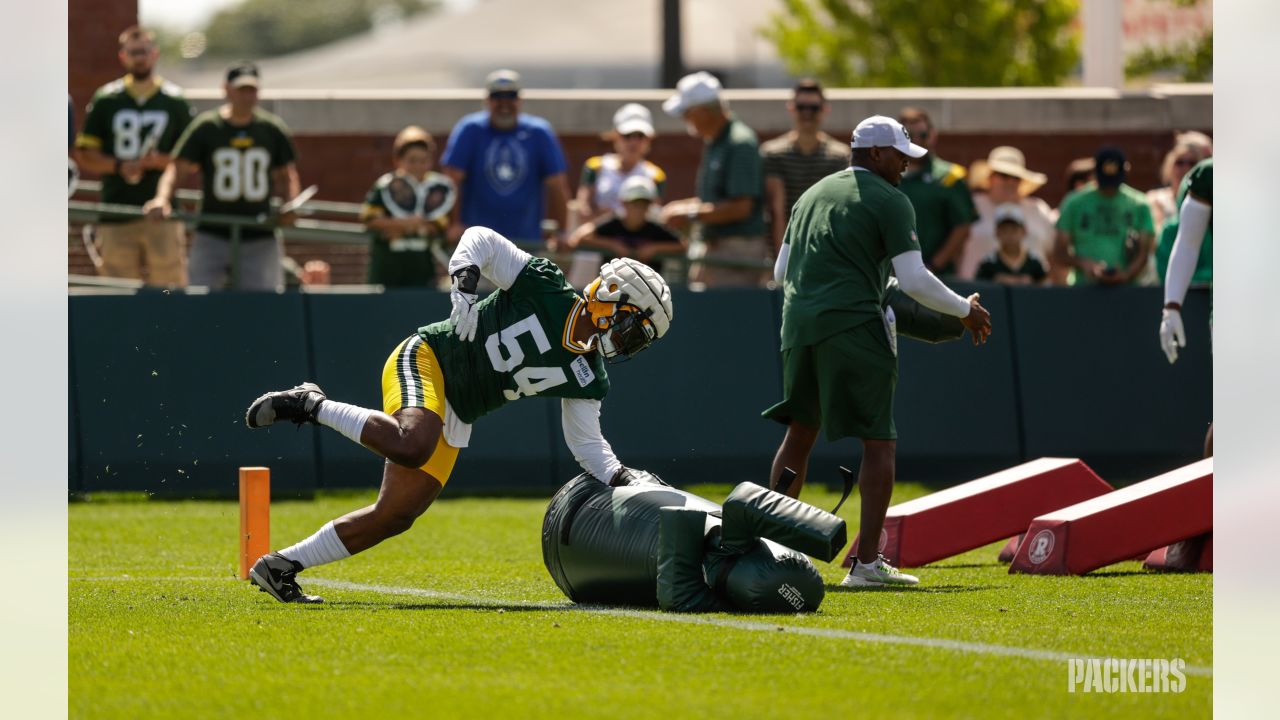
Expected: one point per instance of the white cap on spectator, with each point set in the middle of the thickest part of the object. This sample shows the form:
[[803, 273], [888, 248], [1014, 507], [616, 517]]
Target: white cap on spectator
[[881, 131], [638, 187], [633, 117], [1009, 212], [700, 88]]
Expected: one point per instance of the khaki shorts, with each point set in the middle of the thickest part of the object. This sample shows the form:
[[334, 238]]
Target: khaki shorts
[[151, 250], [843, 384], [735, 247]]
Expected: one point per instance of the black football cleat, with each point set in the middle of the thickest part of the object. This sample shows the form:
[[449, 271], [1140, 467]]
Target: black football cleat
[[297, 405], [277, 575]]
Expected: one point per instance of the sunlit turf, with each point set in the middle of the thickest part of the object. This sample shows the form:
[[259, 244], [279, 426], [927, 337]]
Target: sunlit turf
[[158, 626]]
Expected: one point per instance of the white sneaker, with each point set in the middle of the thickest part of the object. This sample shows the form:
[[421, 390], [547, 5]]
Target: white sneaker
[[877, 574]]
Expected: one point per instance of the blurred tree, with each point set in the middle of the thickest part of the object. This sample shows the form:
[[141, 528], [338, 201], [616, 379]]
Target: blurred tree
[[961, 43], [263, 28], [1192, 61]]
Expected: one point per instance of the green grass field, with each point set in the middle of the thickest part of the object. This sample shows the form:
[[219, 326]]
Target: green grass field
[[458, 619]]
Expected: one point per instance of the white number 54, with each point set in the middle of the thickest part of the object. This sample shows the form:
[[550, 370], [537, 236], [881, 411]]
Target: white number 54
[[529, 380]]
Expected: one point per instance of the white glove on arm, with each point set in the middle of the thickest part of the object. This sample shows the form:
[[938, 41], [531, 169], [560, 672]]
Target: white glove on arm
[[463, 296], [1172, 336]]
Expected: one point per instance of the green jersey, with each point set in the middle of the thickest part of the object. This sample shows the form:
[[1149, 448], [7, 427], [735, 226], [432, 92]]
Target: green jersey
[[235, 164], [522, 347], [405, 261], [1199, 182], [942, 202], [126, 125], [843, 233], [731, 168], [1101, 227]]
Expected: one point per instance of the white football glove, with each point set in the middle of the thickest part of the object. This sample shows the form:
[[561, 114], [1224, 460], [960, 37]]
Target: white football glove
[[1172, 335], [463, 296]]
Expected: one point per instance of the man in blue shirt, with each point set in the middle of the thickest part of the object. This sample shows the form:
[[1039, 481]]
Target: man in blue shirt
[[501, 161]]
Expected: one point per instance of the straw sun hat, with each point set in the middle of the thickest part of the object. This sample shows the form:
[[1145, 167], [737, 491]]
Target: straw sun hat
[[1008, 161]]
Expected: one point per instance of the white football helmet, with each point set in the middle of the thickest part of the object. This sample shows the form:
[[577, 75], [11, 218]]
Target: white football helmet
[[630, 305]]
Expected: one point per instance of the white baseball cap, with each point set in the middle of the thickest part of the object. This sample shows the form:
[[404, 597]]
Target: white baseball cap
[[633, 117], [700, 88], [1009, 212], [638, 187], [881, 131]]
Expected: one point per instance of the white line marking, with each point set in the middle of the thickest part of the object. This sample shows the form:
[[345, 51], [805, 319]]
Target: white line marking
[[828, 633], [128, 578]]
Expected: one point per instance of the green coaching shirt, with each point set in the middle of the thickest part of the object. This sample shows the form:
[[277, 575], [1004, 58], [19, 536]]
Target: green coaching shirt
[[125, 125], [521, 348], [843, 233], [235, 164], [731, 168], [942, 202], [1099, 226]]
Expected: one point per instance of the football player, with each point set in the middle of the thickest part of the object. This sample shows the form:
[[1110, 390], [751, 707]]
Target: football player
[[1195, 223], [535, 335]]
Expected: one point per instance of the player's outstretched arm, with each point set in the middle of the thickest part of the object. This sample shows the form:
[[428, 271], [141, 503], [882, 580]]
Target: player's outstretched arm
[[495, 257], [1193, 221], [580, 420]]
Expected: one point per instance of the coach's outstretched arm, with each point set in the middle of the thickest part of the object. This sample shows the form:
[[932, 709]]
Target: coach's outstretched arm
[[925, 288]]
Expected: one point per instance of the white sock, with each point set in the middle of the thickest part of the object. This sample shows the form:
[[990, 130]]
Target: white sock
[[870, 564], [323, 547], [346, 419]]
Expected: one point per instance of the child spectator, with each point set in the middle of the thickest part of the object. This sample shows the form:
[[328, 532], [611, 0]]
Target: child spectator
[[1011, 263], [629, 234], [408, 210]]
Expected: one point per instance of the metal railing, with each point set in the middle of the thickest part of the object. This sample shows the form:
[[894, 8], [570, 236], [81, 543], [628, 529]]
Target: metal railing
[[347, 231]]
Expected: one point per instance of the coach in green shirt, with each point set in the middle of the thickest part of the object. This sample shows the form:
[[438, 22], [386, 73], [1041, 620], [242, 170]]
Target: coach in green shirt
[[729, 205], [839, 349], [1105, 231]]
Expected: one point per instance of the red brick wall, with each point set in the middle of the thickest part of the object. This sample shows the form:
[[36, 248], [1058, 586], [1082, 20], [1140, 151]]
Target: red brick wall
[[93, 32], [345, 165]]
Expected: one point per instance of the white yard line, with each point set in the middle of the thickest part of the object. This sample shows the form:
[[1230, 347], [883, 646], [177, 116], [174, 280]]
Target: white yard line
[[754, 626]]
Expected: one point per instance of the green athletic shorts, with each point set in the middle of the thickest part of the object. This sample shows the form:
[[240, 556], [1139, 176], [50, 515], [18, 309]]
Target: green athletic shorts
[[843, 384]]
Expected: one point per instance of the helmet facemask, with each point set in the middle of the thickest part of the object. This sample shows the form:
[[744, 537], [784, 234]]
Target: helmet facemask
[[628, 334], [622, 329]]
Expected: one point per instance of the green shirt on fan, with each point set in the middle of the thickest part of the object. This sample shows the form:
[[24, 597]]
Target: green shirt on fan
[[235, 165], [126, 126], [843, 233], [522, 347], [941, 199], [1101, 227], [731, 168]]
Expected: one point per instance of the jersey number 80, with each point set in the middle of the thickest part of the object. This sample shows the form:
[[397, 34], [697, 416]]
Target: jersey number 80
[[241, 174], [529, 380]]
